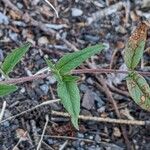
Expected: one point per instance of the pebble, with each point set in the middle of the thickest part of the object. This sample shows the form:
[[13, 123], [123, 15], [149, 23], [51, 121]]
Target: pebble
[[80, 135], [91, 38], [1, 33], [50, 141], [22, 90], [121, 29], [13, 36], [6, 124], [43, 40], [83, 87], [97, 138], [90, 81], [3, 19], [98, 99], [19, 5], [51, 80], [101, 109], [44, 88], [90, 137], [56, 26], [1, 55], [76, 12]]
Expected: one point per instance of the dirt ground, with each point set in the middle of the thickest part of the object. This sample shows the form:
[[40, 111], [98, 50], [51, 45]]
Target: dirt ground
[[80, 24]]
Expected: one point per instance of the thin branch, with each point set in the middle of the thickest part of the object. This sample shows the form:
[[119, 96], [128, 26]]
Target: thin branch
[[2, 111], [101, 71], [69, 138], [20, 140], [11, 5], [45, 126], [44, 103], [79, 71], [24, 79], [108, 120], [52, 7]]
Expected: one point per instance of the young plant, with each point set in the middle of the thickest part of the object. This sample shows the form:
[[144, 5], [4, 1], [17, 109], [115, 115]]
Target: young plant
[[67, 84], [67, 88]]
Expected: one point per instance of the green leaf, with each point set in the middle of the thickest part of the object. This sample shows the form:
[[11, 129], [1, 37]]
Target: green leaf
[[133, 57], [135, 46], [50, 64], [70, 98], [13, 58], [70, 78], [139, 90], [7, 89], [73, 60]]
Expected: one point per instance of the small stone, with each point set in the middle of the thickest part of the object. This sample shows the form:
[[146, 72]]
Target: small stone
[[121, 29], [80, 135], [50, 141], [101, 109], [90, 81], [3, 19], [6, 124], [44, 88], [43, 40], [22, 90], [88, 100], [51, 80], [1, 55], [76, 12], [13, 36], [146, 4], [98, 99], [91, 38], [86, 112], [83, 87], [97, 138], [19, 5], [1, 33], [116, 132], [91, 137]]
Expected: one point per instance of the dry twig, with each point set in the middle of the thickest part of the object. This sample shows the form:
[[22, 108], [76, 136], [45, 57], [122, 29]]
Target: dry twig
[[2, 111], [42, 104], [106, 120], [45, 126]]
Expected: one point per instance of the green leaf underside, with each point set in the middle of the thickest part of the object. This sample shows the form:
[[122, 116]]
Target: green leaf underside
[[7, 89], [73, 60], [70, 98], [13, 58], [139, 90], [133, 56]]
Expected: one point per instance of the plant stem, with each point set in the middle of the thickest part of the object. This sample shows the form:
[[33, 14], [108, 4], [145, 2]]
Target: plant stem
[[79, 71]]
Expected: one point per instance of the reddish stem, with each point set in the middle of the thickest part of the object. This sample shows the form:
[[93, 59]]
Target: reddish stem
[[79, 71]]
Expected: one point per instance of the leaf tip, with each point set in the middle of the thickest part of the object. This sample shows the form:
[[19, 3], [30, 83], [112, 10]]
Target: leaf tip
[[74, 121]]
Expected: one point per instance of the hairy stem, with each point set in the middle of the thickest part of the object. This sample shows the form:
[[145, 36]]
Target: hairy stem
[[79, 71]]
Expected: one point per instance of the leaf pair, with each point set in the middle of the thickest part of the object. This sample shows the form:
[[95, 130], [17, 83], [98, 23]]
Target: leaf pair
[[7, 66], [137, 85], [67, 87]]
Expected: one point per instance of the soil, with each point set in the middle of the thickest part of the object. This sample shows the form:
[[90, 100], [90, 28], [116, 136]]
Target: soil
[[80, 24]]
